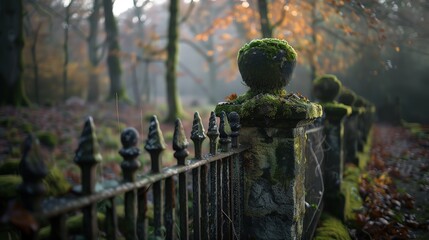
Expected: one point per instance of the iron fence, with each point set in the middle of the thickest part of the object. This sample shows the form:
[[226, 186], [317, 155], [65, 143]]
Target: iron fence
[[200, 198], [214, 181]]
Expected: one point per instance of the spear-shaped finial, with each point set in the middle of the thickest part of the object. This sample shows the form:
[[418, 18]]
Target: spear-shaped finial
[[198, 135], [155, 143], [224, 132], [88, 152], [213, 133], [180, 143]]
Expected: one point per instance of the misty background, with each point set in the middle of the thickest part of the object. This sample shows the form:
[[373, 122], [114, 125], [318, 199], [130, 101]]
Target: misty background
[[376, 48]]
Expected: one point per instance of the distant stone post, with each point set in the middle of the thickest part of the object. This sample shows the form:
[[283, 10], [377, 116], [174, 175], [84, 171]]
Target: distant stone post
[[351, 132], [326, 88], [273, 125], [359, 104]]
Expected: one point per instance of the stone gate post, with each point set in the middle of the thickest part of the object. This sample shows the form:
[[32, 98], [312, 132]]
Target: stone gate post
[[273, 123]]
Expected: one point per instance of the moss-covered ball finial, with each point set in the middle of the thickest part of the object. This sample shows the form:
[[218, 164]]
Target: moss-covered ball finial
[[266, 65], [326, 87], [347, 97]]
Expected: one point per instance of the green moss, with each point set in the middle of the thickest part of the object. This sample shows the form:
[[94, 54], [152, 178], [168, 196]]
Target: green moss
[[47, 139], [8, 186], [10, 167], [350, 189], [271, 46], [107, 139], [335, 109], [272, 107], [326, 87], [74, 225], [331, 228], [14, 122], [56, 183], [365, 155], [266, 64]]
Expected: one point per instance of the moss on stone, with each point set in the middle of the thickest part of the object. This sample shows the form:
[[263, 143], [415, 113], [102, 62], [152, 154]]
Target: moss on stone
[[266, 64], [336, 109], [350, 189], [270, 45], [326, 87], [265, 106], [330, 228]]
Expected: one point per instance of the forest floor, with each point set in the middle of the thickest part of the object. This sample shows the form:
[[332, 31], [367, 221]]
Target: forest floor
[[59, 128], [395, 187]]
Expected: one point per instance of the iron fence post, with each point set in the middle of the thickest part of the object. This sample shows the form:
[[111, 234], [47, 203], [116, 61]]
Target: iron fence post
[[155, 145], [87, 157], [129, 165]]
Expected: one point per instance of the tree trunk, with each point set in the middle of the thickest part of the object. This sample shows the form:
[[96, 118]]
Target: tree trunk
[[94, 57], [146, 82], [140, 34], [66, 50], [11, 46], [135, 82], [173, 100], [213, 81], [35, 62], [113, 61], [266, 28], [313, 54]]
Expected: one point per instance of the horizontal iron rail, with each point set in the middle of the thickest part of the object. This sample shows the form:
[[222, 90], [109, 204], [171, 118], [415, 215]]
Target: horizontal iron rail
[[315, 129], [57, 206]]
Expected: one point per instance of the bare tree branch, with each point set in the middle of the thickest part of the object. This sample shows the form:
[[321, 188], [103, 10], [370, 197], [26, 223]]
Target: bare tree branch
[[188, 12], [282, 16], [49, 11]]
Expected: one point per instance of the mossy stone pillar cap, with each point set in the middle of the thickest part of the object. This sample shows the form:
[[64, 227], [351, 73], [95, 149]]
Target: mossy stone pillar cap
[[266, 64], [347, 97], [326, 87]]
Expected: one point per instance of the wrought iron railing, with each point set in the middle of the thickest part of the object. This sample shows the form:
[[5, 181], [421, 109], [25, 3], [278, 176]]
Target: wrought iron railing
[[217, 186]]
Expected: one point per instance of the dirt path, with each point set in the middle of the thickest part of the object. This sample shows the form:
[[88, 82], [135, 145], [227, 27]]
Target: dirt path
[[405, 157]]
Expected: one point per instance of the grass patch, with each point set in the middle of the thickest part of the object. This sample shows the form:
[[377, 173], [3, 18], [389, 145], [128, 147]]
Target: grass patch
[[331, 228]]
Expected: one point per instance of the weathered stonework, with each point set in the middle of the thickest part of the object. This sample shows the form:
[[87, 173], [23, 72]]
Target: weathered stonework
[[326, 88], [274, 200], [273, 123]]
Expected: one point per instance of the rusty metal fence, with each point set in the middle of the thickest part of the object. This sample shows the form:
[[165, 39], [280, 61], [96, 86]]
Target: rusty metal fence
[[200, 198], [214, 182]]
